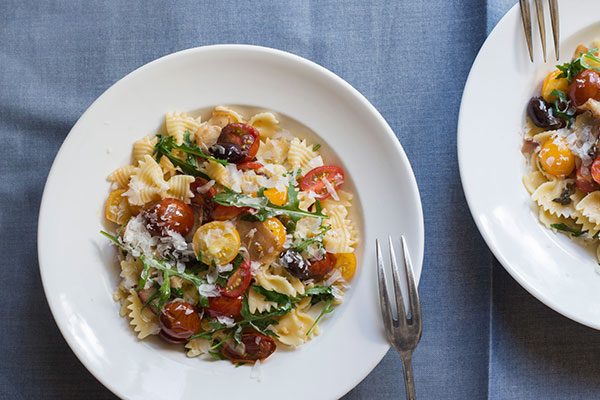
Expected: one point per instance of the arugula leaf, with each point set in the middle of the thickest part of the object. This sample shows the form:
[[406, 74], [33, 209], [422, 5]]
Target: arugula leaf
[[177, 292], [316, 147], [164, 290], [271, 295], [562, 106], [571, 69], [566, 228], [217, 355], [326, 310], [263, 206], [165, 146]]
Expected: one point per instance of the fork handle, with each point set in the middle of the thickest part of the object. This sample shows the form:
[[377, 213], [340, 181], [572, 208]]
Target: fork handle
[[409, 382]]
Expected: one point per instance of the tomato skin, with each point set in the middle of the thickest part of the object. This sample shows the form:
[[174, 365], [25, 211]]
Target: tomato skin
[[256, 347], [319, 268], [179, 320], [243, 135], [585, 86], [204, 199], [595, 170], [556, 158], [224, 213], [584, 179], [313, 181], [224, 307], [238, 281], [169, 215], [250, 165]]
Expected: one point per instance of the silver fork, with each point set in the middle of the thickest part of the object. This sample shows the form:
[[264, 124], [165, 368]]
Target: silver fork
[[403, 332], [526, 17]]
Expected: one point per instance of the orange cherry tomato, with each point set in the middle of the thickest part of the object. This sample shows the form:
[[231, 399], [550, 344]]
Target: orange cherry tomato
[[276, 197], [277, 229], [346, 263], [552, 83], [556, 157]]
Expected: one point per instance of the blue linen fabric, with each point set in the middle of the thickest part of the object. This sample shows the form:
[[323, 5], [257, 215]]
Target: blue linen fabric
[[484, 336]]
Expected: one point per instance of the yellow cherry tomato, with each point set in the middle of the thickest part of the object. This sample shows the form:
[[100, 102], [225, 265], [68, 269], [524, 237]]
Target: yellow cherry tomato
[[216, 241], [556, 158], [276, 197], [117, 207], [276, 228], [346, 263], [553, 83]]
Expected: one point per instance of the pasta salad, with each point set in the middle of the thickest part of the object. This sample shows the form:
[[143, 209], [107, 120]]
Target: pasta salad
[[561, 142], [234, 236]]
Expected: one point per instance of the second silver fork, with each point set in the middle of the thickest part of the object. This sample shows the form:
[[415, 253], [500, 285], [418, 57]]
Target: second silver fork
[[403, 332]]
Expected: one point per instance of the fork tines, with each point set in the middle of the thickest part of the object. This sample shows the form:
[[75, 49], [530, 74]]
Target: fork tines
[[526, 18]]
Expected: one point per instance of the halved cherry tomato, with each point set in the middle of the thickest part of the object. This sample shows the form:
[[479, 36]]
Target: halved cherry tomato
[[276, 228], [585, 86], [254, 346], [224, 307], [346, 263], [319, 268], [249, 165], [243, 135], [202, 198], [595, 170], [216, 242], [238, 281], [179, 320], [314, 181], [276, 197], [224, 213], [552, 83], [169, 215], [584, 179]]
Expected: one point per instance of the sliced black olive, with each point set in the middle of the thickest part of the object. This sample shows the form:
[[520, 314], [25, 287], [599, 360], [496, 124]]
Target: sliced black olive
[[227, 151], [294, 263], [542, 114]]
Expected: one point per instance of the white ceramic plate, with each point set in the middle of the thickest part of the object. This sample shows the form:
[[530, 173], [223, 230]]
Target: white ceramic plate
[[76, 263], [556, 270]]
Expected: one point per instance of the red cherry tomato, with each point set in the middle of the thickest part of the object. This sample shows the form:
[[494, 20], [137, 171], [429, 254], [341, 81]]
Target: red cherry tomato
[[238, 281], [179, 320], [245, 136], [169, 215], [249, 165], [314, 181], [202, 198], [255, 347], [585, 86], [319, 268], [584, 180], [595, 170], [224, 213], [224, 307]]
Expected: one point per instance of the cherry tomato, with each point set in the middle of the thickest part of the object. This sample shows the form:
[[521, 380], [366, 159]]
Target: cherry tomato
[[224, 307], [224, 213], [314, 181], [585, 86], [319, 268], [238, 281], [254, 346], [216, 241], [277, 229], [250, 165], [556, 157], [346, 263], [169, 215], [552, 83], [179, 320], [276, 197], [584, 179], [595, 170], [245, 136], [202, 199]]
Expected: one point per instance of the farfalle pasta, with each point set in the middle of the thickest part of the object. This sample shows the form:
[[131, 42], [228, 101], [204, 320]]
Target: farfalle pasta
[[561, 143], [234, 235]]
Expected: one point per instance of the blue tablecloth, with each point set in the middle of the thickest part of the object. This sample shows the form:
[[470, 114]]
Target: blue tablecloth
[[484, 336]]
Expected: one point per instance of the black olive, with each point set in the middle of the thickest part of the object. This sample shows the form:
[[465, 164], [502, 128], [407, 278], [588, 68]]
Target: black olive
[[294, 263], [542, 114], [226, 151]]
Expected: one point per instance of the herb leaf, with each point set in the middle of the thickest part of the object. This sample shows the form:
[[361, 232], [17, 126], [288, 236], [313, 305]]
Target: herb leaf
[[263, 206], [318, 238], [565, 228], [327, 309], [571, 69], [166, 145]]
